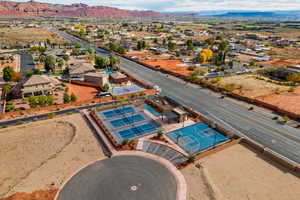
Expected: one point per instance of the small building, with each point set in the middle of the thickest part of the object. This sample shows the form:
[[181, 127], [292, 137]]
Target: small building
[[182, 114], [38, 85], [176, 115], [284, 73], [97, 77], [78, 70], [118, 78]]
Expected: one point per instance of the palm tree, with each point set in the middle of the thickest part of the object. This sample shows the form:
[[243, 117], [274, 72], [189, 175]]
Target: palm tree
[[6, 90], [223, 50], [113, 62]]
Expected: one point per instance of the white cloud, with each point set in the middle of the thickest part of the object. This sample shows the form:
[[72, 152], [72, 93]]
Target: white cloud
[[191, 5]]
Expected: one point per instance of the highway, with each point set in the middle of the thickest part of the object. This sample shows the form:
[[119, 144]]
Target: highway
[[281, 139]]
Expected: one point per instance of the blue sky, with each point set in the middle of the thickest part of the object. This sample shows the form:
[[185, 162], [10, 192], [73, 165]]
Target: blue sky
[[191, 5]]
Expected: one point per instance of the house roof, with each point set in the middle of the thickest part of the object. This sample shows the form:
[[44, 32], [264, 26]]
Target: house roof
[[96, 74], [81, 68], [118, 75], [37, 80]]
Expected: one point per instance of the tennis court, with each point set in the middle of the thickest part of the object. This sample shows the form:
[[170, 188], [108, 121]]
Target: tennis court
[[137, 131], [127, 121], [118, 112], [127, 89], [196, 138]]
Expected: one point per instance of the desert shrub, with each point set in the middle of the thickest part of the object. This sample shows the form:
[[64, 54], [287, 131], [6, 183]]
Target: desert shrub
[[215, 80], [51, 115], [230, 87], [192, 68]]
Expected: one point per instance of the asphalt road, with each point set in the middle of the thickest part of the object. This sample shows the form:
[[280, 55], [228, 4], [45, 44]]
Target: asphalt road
[[283, 140], [121, 178]]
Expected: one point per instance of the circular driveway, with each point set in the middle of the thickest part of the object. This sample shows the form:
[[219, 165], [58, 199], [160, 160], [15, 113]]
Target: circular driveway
[[126, 177]]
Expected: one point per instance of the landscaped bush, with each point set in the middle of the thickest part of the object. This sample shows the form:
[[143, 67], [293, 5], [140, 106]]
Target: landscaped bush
[[192, 68], [40, 101]]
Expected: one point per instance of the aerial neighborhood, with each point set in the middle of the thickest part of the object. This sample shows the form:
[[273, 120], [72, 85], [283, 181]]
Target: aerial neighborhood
[[98, 102]]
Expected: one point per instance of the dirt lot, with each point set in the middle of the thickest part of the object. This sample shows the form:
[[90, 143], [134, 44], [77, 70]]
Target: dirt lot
[[249, 86], [83, 93], [36, 195], [27, 35], [163, 61], [286, 53], [280, 62], [239, 173], [289, 101], [277, 95], [42, 155]]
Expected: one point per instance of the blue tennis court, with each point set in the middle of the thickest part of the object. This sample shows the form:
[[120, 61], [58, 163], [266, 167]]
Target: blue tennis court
[[196, 138], [138, 131], [127, 121], [118, 112]]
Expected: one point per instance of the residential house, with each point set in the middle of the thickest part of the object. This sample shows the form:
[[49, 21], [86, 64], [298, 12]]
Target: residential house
[[97, 77], [118, 78], [79, 69], [38, 85], [285, 72]]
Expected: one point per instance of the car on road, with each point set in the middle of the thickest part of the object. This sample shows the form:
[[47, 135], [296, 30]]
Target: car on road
[[104, 94]]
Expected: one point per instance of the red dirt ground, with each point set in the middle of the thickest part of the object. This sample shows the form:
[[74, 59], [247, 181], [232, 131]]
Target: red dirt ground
[[10, 64], [172, 65], [281, 63], [83, 93], [289, 101], [162, 61], [37, 195]]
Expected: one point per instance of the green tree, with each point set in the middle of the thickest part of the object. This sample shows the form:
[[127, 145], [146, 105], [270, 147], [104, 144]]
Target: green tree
[[90, 51], [7, 89], [194, 76], [101, 62], [172, 46], [73, 98], [50, 62], [66, 71], [125, 142], [31, 72], [8, 73], [141, 44], [121, 50], [42, 100], [223, 49], [50, 100], [66, 98], [61, 63], [77, 45], [33, 103], [113, 62], [190, 45], [66, 57], [106, 87]]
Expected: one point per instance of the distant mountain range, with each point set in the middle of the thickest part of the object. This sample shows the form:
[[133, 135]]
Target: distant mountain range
[[9, 9], [239, 14], [259, 14]]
